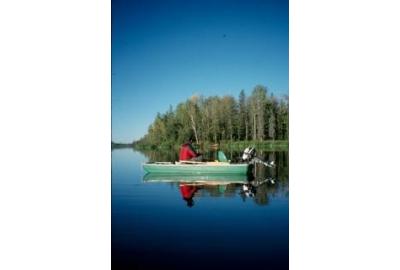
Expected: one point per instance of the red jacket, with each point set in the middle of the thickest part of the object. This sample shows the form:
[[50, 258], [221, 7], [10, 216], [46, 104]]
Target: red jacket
[[187, 152]]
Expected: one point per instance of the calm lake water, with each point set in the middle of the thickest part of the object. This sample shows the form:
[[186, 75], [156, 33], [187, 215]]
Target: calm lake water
[[235, 224]]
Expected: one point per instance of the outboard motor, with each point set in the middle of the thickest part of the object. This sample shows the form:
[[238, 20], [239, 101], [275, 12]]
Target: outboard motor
[[248, 154]]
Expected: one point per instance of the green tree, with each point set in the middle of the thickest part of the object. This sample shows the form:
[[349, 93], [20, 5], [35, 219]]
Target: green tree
[[258, 100], [242, 130], [192, 109]]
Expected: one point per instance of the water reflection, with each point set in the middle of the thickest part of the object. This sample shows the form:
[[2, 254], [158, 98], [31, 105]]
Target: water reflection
[[248, 188], [169, 222]]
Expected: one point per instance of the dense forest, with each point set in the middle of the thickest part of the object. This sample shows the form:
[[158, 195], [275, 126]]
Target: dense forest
[[258, 117]]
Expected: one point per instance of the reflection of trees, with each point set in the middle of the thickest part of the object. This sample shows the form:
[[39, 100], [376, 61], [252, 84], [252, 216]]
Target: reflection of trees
[[230, 191], [261, 195], [213, 191], [263, 190], [268, 190]]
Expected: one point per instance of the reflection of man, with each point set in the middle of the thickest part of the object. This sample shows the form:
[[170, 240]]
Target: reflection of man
[[188, 192]]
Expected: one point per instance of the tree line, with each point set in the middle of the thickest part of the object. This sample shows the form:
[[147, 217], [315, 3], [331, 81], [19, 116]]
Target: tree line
[[258, 117]]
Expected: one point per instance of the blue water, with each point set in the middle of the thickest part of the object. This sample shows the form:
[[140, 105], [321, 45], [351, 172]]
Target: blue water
[[154, 228]]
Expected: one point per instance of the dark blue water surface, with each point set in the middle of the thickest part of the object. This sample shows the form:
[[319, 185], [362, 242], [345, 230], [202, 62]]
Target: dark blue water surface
[[154, 228]]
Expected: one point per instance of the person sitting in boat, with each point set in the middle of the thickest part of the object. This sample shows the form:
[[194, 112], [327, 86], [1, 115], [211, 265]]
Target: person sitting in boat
[[187, 152]]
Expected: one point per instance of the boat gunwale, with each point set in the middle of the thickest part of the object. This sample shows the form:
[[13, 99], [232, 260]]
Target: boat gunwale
[[217, 164]]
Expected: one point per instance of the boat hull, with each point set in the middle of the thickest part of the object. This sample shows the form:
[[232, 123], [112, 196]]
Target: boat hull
[[203, 168]]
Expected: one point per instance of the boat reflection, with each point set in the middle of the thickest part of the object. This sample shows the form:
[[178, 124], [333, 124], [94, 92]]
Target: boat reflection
[[209, 179], [218, 185]]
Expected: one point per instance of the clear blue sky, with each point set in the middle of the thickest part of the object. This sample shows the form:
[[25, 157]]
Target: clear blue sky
[[165, 51]]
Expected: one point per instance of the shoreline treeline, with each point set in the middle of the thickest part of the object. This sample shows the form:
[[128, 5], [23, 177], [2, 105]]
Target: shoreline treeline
[[258, 117]]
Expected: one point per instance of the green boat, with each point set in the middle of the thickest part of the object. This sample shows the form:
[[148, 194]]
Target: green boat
[[190, 167]]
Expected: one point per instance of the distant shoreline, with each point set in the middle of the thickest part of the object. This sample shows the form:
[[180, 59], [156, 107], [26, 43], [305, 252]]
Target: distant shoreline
[[121, 145]]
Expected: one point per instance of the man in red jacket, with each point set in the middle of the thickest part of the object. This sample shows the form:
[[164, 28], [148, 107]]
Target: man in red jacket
[[188, 153]]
